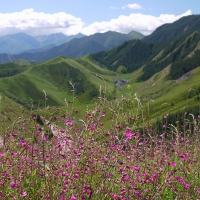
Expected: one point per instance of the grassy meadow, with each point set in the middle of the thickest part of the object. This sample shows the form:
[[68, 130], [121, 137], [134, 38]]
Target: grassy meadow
[[107, 150]]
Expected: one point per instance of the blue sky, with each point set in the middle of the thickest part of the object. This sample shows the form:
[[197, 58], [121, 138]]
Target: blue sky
[[38, 17]]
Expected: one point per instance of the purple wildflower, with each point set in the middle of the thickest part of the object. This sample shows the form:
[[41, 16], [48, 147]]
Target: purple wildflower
[[12, 184], [69, 123], [129, 135]]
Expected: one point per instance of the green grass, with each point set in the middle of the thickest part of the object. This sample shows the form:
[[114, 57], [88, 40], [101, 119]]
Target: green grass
[[53, 75], [48, 76]]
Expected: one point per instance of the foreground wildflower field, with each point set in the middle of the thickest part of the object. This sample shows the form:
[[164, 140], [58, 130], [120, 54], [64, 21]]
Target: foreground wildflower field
[[58, 155]]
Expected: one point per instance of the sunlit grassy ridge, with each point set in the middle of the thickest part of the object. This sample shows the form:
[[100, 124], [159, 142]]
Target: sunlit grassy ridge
[[53, 76]]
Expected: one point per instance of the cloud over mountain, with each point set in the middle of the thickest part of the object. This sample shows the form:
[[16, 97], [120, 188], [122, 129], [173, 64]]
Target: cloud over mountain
[[32, 23], [39, 23], [144, 24]]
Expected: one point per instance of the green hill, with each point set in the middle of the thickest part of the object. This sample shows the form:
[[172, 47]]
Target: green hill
[[136, 35], [26, 84]]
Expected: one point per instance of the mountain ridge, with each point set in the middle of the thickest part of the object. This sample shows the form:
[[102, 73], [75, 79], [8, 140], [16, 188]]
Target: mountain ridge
[[153, 55], [77, 47], [166, 32], [21, 42]]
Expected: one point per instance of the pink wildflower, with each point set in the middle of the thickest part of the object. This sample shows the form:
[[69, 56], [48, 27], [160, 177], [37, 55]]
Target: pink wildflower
[[69, 122], [103, 114], [172, 164], [54, 128], [186, 186], [38, 134], [73, 198], [14, 154], [114, 196], [12, 184], [129, 135], [136, 168], [88, 115], [92, 128], [22, 143], [183, 157], [24, 194], [14, 134], [29, 147]]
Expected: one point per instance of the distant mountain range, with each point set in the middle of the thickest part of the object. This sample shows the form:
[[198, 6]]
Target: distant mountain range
[[76, 47], [21, 42]]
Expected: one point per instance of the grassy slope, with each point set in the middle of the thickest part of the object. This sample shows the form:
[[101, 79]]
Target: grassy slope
[[47, 76], [136, 35], [157, 88], [22, 62], [39, 77], [169, 96], [171, 31]]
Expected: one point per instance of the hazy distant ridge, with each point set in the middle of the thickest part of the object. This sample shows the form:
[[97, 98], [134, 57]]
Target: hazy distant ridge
[[76, 47], [20, 42]]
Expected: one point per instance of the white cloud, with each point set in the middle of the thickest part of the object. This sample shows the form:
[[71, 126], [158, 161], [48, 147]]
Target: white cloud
[[35, 23], [132, 6], [39, 23], [144, 24], [112, 7]]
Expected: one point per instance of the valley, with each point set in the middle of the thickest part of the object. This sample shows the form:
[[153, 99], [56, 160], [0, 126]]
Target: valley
[[156, 71]]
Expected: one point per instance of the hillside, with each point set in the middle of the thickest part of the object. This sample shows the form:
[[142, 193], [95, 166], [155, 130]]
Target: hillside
[[180, 52], [171, 31], [27, 83], [131, 55], [53, 77], [136, 35], [162, 69]]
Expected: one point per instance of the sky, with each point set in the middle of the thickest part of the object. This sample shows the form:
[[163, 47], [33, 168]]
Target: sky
[[70, 17]]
